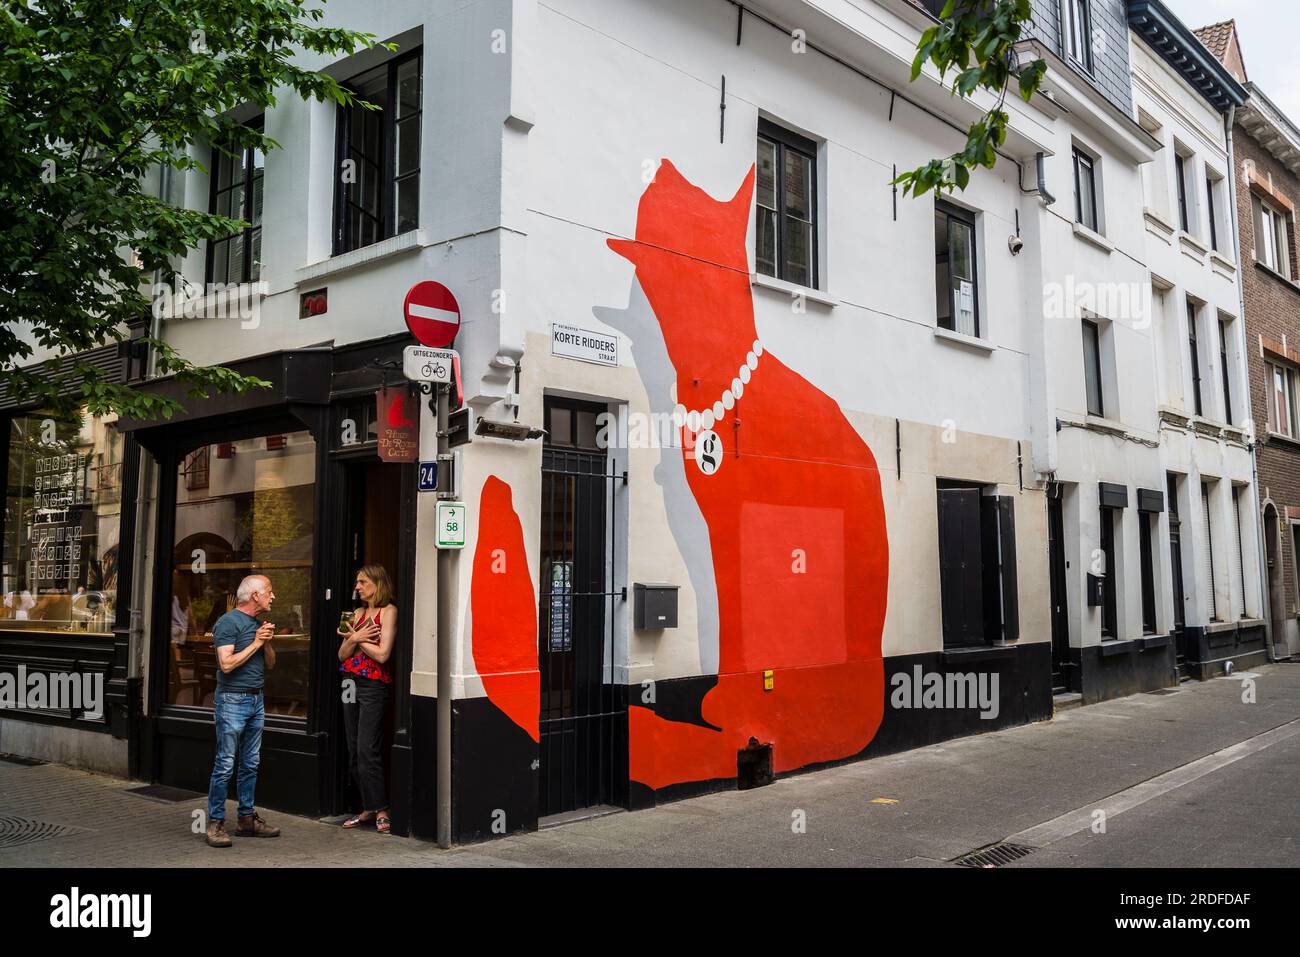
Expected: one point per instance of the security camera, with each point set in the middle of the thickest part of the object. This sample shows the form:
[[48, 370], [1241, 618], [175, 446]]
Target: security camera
[[1015, 244]]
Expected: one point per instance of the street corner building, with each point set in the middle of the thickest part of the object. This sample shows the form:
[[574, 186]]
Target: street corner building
[[763, 465]]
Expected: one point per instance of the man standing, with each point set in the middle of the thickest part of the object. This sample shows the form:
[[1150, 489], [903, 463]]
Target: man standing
[[244, 653]]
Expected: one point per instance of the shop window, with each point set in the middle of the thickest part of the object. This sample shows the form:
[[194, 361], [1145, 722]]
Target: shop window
[[379, 155], [61, 524], [977, 565], [786, 207], [1145, 522], [1110, 575], [256, 515]]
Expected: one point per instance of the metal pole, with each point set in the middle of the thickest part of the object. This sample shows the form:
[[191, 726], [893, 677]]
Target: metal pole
[[444, 653]]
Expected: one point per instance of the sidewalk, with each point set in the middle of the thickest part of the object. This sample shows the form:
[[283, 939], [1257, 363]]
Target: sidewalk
[[919, 808]]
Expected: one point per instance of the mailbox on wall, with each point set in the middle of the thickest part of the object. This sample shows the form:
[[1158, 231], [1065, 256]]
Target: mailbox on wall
[[1096, 595], [654, 605]]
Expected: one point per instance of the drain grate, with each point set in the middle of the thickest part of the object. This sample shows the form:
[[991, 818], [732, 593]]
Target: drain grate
[[164, 793], [995, 855], [1166, 691], [17, 831]]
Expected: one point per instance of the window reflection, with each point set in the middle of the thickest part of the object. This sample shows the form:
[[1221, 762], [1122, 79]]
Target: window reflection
[[243, 507], [61, 524]]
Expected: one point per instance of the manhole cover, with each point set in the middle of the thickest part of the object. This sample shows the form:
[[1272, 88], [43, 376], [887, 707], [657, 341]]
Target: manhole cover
[[995, 855], [17, 831], [164, 793]]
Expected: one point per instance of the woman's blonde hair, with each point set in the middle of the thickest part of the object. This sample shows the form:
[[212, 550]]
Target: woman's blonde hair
[[383, 584]]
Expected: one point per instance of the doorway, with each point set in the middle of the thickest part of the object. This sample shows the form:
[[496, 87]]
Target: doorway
[[1056, 573], [583, 727], [372, 525]]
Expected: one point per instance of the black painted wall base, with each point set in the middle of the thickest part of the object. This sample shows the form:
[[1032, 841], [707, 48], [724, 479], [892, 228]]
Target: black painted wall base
[[1209, 652], [1114, 669], [1024, 695], [493, 774]]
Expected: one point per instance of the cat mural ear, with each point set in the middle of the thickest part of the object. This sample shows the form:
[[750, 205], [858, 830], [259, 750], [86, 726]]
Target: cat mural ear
[[744, 198]]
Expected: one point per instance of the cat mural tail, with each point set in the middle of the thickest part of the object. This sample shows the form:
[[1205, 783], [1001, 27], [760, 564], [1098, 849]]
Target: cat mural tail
[[791, 496]]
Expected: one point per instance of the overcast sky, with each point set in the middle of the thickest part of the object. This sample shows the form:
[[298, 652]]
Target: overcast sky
[[1266, 31]]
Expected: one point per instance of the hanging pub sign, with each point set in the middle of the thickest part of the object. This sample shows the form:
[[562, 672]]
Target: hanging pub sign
[[397, 414]]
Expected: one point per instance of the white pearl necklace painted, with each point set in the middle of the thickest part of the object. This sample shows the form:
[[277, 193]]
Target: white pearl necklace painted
[[702, 420]]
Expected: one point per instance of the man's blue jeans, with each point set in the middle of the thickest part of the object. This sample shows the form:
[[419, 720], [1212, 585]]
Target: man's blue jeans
[[239, 719]]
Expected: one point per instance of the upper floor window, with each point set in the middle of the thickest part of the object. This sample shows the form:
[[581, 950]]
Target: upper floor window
[[1271, 237], [1180, 184], [954, 269], [1092, 372], [237, 193], [1085, 189], [1211, 208], [1194, 354], [785, 206], [1281, 399], [1078, 32], [379, 155]]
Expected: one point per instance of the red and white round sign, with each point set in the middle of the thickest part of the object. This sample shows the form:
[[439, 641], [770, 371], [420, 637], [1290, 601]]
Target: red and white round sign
[[432, 314]]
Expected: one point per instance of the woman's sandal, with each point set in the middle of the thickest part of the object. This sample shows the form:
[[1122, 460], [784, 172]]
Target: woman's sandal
[[383, 823], [365, 817]]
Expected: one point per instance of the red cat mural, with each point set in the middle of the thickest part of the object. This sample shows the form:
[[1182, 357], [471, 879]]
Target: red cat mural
[[791, 496]]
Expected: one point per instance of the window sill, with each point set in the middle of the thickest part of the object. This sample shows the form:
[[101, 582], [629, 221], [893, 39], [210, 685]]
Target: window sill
[[1222, 265], [1093, 237], [1192, 248], [1284, 439], [1158, 226], [961, 339], [1100, 423], [1277, 275], [791, 289], [393, 246]]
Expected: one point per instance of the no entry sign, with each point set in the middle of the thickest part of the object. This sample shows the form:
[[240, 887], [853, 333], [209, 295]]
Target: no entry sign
[[432, 314]]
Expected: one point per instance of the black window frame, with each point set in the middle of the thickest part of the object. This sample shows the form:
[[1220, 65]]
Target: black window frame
[[1194, 349], [219, 155], [1180, 179], [343, 241], [1176, 554], [1223, 368], [966, 218], [1085, 159], [1079, 35], [784, 140], [1091, 326], [1209, 212]]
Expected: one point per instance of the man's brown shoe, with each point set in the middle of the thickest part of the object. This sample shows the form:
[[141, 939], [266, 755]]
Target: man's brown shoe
[[217, 836], [252, 825]]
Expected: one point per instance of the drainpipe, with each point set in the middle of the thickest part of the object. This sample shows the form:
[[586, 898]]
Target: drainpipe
[[1242, 343], [1048, 198]]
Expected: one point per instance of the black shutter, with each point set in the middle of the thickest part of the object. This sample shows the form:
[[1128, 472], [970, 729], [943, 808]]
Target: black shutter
[[1007, 539], [960, 567]]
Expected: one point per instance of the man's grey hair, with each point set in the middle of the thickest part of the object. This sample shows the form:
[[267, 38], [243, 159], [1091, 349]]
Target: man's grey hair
[[249, 585]]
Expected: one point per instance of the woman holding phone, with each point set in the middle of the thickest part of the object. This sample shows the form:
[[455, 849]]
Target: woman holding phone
[[367, 636]]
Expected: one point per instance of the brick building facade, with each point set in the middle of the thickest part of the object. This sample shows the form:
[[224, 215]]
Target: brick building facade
[[1266, 148]]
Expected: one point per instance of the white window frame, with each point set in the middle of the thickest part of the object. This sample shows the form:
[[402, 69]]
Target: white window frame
[[1076, 33], [1277, 424], [1271, 245]]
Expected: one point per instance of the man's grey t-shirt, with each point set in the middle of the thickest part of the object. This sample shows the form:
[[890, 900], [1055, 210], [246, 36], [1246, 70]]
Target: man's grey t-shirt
[[238, 629]]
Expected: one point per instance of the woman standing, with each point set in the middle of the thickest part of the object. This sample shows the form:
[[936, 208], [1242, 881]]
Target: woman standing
[[367, 645]]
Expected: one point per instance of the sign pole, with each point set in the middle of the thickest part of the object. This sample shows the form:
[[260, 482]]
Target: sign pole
[[444, 654]]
